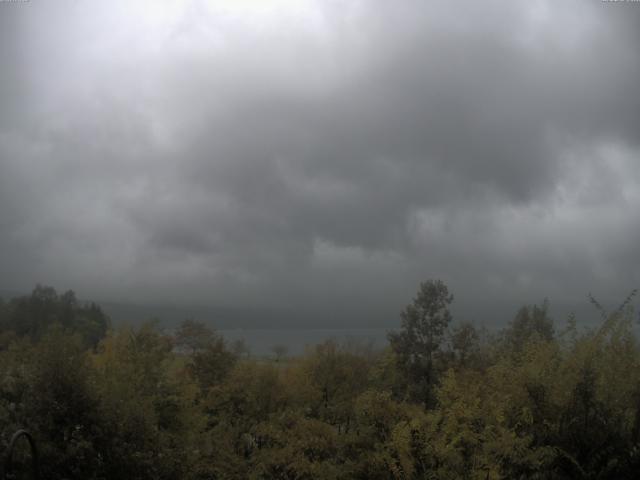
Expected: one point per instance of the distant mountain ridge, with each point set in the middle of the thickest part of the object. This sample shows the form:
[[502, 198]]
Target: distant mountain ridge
[[171, 315], [483, 313]]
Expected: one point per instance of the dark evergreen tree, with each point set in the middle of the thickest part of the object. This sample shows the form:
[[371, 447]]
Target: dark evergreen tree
[[424, 323]]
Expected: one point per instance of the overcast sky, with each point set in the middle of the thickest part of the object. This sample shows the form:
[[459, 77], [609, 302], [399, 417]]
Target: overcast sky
[[320, 156]]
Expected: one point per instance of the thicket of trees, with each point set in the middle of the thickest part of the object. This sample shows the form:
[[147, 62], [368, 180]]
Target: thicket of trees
[[442, 401]]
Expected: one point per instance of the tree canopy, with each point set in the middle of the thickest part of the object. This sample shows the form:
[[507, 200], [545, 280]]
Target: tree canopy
[[144, 403], [416, 345]]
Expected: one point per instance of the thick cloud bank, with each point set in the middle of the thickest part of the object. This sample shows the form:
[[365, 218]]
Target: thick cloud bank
[[320, 156]]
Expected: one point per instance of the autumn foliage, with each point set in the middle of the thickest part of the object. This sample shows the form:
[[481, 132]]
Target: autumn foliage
[[444, 400]]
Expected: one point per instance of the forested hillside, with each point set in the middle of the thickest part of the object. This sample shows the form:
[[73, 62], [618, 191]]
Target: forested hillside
[[444, 400]]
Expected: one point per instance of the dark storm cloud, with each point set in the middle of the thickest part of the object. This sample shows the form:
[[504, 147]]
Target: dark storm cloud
[[310, 154]]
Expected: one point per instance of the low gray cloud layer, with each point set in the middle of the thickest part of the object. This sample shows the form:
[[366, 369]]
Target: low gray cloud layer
[[313, 156]]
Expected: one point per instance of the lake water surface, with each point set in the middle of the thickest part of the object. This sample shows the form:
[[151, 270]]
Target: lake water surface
[[260, 341]]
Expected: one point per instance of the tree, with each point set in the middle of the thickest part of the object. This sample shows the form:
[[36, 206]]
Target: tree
[[531, 322], [212, 364], [464, 344], [338, 376], [209, 358], [279, 352], [424, 324], [32, 315], [147, 409], [60, 406], [193, 336]]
